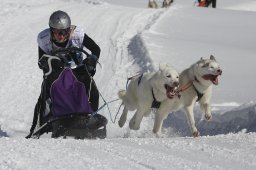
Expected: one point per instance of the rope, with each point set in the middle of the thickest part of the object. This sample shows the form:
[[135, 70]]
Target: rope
[[132, 77], [106, 104]]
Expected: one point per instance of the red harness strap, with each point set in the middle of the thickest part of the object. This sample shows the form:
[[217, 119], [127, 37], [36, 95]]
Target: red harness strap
[[185, 87], [188, 85]]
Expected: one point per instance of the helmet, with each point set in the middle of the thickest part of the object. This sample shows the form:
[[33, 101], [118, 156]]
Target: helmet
[[59, 20]]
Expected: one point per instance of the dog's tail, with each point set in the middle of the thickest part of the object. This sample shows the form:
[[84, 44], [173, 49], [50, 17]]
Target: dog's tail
[[121, 94]]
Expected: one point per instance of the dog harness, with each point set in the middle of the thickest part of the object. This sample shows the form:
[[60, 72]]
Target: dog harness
[[155, 104], [199, 95], [189, 84]]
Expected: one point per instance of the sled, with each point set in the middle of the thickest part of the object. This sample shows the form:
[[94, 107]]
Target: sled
[[64, 107], [74, 125]]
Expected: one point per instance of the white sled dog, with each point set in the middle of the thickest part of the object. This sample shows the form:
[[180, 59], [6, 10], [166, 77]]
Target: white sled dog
[[195, 85], [153, 4], [146, 91]]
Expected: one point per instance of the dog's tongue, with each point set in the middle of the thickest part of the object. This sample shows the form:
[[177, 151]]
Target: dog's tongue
[[170, 92], [213, 78]]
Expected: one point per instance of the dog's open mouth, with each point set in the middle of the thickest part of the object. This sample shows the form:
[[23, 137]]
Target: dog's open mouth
[[170, 91], [213, 78]]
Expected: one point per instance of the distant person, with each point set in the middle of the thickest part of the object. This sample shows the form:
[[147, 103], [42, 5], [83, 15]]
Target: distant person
[[207, 3]]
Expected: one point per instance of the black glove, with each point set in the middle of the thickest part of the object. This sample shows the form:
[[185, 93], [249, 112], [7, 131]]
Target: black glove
[[43, 64], [90, 62], [57, 64]]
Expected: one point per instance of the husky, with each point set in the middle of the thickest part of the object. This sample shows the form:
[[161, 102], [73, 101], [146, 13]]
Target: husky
[[195, 84], [153, 4], [147, 91]]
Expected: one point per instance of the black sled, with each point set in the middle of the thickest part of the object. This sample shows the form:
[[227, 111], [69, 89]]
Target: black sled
[[63, 107]]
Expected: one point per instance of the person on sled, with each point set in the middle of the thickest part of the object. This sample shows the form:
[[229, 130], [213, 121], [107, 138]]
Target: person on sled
[[61, 35]]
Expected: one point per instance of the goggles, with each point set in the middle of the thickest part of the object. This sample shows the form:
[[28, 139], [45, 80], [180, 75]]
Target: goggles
[[64, 32]]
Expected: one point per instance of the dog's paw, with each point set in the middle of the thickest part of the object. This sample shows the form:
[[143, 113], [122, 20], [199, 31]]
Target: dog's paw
[[208, 117], [121, 123], [133, 126], [196, 134], [159, 135]]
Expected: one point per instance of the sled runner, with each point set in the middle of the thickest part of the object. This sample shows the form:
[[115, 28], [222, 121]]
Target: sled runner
[[67, 105]]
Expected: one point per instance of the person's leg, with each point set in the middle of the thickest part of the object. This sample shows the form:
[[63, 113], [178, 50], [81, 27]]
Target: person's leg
[[214, 3]]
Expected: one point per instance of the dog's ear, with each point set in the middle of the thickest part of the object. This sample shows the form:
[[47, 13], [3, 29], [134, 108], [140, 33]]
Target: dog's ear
[[162, 66], [212, 58]]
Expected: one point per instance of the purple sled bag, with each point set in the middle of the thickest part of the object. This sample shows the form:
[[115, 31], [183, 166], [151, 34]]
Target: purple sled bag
[[68, 95]]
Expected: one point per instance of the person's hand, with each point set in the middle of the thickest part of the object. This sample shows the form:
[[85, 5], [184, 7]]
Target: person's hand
[[55, 64], [90, 63]]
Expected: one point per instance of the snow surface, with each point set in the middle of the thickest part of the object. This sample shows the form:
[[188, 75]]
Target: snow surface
[[134, 38]]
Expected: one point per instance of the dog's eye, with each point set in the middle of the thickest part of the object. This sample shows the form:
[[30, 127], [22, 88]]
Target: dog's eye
[[206, 65], [169, 76]]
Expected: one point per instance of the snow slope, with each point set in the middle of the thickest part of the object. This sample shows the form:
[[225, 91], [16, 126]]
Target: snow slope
[[134, 38]]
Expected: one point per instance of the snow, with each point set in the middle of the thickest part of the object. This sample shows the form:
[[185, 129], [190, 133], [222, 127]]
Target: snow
[[133, 39]]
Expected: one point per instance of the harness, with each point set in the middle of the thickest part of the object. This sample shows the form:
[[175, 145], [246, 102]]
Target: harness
[[188, 85], [155, 104], [199, 95]]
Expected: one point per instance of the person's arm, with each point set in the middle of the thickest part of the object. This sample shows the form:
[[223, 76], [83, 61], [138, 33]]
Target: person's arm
[[91, 45], [43, 63], [40, 53]]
